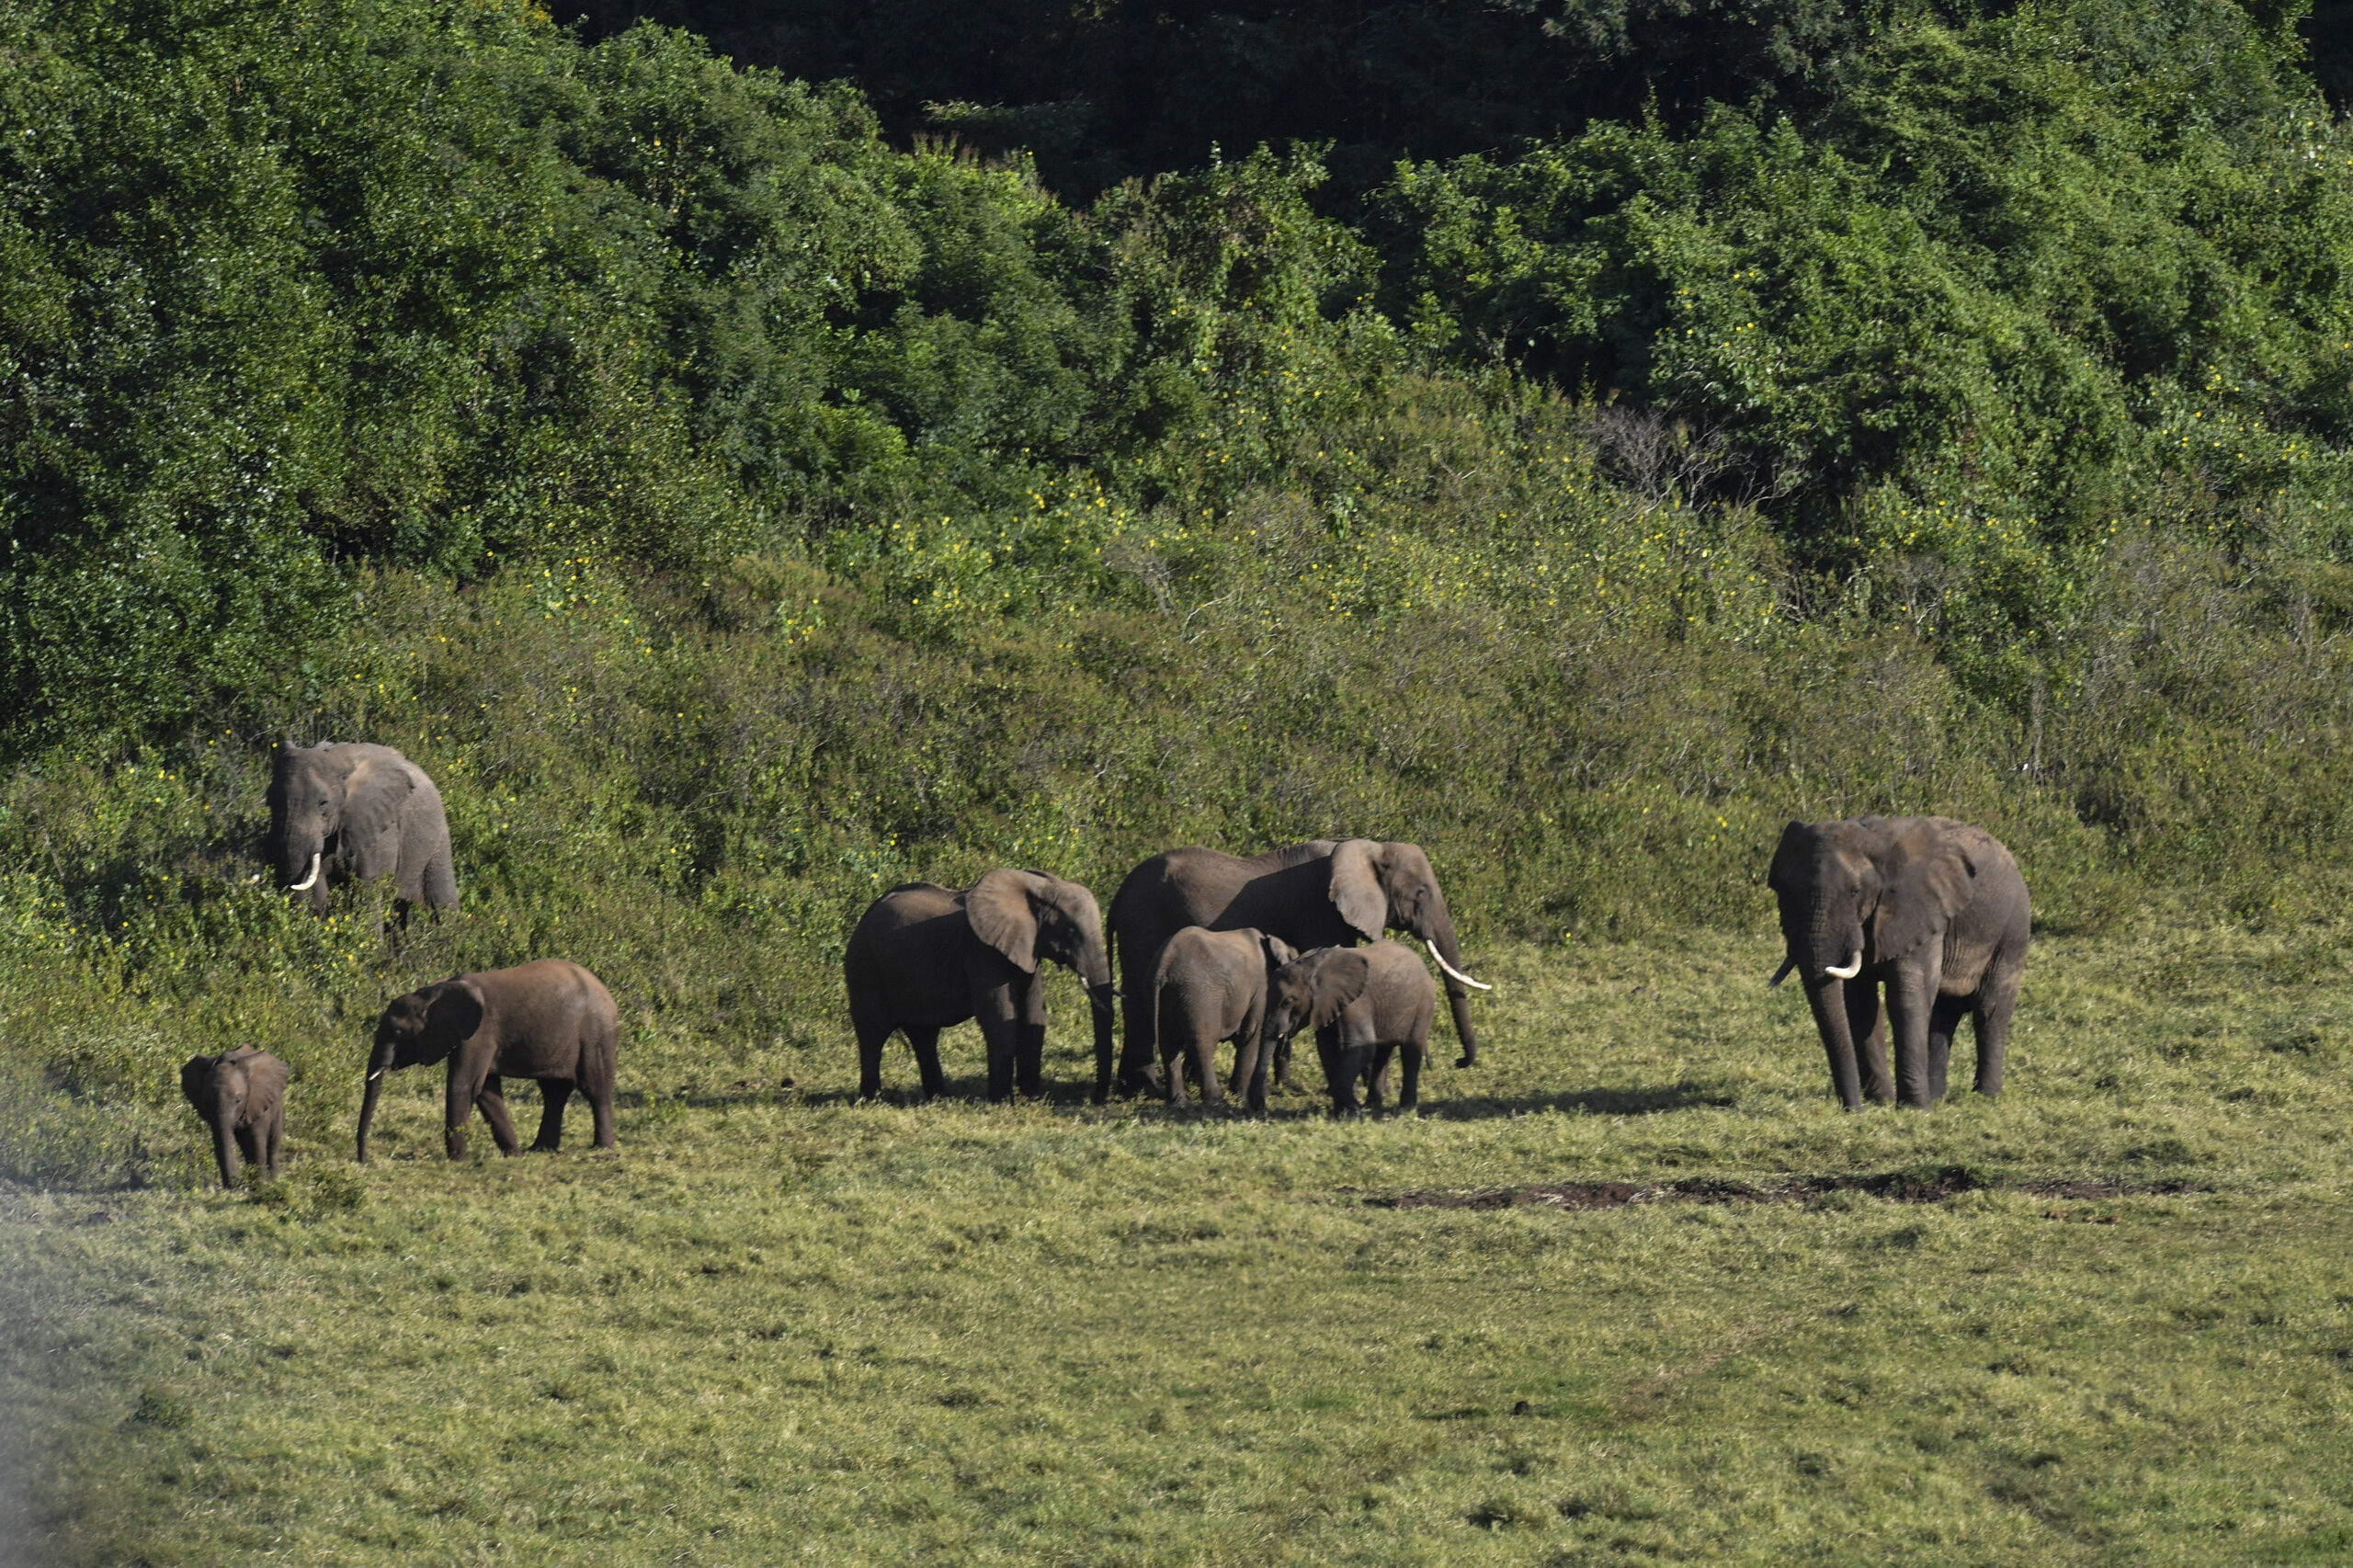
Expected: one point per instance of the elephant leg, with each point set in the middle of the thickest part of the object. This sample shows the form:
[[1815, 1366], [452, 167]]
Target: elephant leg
[[925, 1042], [1910, 999], [1172, 1071], [1997, 998], [458, 1107], [600, 1110], [1283, 1063], [998, 1012], [1139, 1056], [555, 1093], [1029, 1039], [1411, 1095], [1868, 1026], [1944, 1018], [249, 1144], [1205, 1045], [1249, 1081], [1376, 1086], [494, 1110], [275, 1144], [1343, 1066], [596, 1085], [873, 1034]]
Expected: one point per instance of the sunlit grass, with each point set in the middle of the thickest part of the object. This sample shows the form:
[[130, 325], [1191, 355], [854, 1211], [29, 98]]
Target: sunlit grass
[[780, 1325]]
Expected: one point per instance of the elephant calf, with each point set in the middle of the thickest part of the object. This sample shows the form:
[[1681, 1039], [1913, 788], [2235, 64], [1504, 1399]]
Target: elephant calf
[[925, 957], [549, 1020], [1212, 986], [1365, 1004], [241, 1094]]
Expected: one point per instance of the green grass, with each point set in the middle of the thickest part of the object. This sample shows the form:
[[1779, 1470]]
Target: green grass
[[781, 1325]]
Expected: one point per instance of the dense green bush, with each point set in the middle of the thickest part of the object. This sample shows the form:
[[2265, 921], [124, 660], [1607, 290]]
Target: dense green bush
[[2012, 266]]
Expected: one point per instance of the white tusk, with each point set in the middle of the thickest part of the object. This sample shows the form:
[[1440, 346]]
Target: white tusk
[[1450, 968], [251, 880], [307, 884], [376, 1074], [1854, 967]]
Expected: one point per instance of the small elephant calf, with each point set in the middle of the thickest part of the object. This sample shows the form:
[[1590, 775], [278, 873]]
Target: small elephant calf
[[1210, 986], [241, 1094], [1364, 1004]]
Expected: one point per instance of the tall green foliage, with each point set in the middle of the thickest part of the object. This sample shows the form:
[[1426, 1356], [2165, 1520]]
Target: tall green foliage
[[2007, 267], [291, 288]]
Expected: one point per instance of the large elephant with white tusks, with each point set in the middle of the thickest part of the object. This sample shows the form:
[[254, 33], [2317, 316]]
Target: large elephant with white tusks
[[349, 812], [1330, 892], [1937, 912]]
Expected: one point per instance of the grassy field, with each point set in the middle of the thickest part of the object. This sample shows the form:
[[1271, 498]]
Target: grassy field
[[779, 1326]]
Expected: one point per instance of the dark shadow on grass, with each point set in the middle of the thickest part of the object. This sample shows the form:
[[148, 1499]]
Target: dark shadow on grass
[[1305, 1100], [1687, 1095]]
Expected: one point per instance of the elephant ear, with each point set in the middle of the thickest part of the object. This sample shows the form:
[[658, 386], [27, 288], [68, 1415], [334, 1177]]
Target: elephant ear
[[1339, 979], [1279, 952], [1790, 857], [999, 906], [1357, 892], [196, 1081], [372, 796], [1924, 896], [265, 1084], [450, 1019]]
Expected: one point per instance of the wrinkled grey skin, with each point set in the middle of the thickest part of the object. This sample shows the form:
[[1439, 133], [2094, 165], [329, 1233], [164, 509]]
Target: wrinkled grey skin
[[363, 811], [1366, 1004], [925, 957], [1332, 893], [1212, 986], [241, 1094], [550, 1020], [1934, 910]]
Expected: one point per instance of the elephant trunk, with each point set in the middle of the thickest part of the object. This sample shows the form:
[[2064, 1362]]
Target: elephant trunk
[[378, 1063], [1438, 932], [1105, 1001], [1827, 996], [224, 1144]]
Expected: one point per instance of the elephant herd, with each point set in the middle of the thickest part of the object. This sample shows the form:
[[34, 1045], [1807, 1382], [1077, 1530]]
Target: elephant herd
[[1210, 948]]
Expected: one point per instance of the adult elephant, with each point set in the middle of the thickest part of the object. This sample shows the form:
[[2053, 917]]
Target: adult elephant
[[1332, 893], [549, 1019], [925, 957], [350, 812], [1933, 909]]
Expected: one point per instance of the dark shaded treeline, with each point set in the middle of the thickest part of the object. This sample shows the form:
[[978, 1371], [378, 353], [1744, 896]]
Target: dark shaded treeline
[[1109, 91]]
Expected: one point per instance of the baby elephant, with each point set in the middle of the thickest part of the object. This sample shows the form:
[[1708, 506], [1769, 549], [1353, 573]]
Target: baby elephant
[[241, 1094], [549, 1020], [1212, 986], [1363, 1004]]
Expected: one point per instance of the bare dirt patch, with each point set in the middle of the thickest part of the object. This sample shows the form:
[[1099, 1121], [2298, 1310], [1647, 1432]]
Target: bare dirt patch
[[1896, 1187]]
